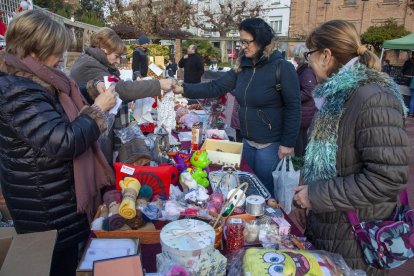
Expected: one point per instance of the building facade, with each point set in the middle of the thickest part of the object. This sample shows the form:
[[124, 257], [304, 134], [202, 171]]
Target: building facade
[[308, 14], [274, 12]]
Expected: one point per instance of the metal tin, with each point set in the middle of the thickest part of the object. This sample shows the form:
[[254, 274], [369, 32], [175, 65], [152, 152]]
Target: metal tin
[[255, 205], [196, 136]]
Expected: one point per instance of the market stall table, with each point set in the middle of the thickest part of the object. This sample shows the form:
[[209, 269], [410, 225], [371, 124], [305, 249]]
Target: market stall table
[[149, 251]]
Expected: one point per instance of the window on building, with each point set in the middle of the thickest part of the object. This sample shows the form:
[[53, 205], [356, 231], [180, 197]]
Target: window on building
[[350, 2], [276, 24], [276, 2]]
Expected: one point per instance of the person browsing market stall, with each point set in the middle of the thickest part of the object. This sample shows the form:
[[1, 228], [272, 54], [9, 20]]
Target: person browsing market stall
[[51, 167], [308, 82], [101, 59], [269, 117], [357, 156]]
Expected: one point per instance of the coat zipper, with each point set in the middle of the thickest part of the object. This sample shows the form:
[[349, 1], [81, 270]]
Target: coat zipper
[[245, 101]]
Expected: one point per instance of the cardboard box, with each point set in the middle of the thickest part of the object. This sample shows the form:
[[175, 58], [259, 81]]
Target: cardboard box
[[222, 152], [125, 266], [88, 272], [26, 254]]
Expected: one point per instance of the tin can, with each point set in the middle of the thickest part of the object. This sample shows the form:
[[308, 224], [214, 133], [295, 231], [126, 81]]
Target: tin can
[[196, 135]]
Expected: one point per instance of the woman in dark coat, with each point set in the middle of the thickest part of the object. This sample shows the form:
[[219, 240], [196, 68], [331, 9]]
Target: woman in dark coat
[[357, 156], [269, 116], [307, 82], [51, 167]]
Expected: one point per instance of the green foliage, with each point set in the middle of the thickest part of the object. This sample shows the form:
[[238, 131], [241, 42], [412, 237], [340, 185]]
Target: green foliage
[[90, 18], [376, 35], [88, 11], [153, 50], [159, 50], [205, 49], [297, 162], [56, 6]]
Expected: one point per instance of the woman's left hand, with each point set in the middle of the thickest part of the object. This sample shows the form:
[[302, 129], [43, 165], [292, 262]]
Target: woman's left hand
[[301, 197], [284, 152]]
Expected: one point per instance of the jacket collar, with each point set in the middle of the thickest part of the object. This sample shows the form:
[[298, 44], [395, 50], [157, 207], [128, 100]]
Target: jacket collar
[[10, 70], [100, 56]]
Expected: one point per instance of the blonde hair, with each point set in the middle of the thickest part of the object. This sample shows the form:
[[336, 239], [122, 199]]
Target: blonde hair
[[342, 39], [35, 32], [107, 39]]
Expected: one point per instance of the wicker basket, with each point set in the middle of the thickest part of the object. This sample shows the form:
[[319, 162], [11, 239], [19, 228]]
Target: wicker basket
[[145, 236]]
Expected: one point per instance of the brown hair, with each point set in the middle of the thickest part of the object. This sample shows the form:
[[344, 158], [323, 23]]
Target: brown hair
[[35, 32], [107, 39], [342, 39]]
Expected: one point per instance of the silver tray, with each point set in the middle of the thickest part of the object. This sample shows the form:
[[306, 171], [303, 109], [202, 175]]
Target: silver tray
[[256, 187]]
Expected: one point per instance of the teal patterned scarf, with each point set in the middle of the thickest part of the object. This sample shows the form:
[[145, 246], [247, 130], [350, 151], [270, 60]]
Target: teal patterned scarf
[[320, 157]]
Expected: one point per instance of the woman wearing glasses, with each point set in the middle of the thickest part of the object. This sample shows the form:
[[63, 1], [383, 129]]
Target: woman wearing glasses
[[99, 60], [357, 156], [269, 117]]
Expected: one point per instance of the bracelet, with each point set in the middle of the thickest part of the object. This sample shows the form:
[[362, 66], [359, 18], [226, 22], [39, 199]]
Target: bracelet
[[99, 109]]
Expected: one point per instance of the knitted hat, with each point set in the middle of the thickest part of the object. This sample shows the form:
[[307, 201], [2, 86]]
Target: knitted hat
[[143, 39]]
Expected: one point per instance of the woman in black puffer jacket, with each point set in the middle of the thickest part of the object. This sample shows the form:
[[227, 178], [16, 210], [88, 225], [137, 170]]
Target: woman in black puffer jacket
[[51, 168]]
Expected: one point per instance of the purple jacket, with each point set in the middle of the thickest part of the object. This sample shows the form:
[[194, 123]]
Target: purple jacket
[[307, 82]]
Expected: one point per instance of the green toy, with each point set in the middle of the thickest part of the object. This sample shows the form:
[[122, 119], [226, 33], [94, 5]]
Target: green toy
[[200, 161]]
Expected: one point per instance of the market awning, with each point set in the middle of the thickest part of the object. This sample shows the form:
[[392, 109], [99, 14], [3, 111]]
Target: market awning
[[403, 43]]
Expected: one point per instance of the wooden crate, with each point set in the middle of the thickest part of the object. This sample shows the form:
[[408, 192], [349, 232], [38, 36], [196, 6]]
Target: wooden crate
[[223, 152], [145, 235]]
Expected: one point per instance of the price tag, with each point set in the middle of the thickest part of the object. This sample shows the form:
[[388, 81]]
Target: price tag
[[237, 220], [127, 170]]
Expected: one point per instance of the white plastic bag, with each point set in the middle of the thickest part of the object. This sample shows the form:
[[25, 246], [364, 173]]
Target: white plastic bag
[[285, 180]]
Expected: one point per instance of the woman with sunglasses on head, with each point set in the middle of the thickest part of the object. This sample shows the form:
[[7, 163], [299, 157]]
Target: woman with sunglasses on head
[[269, 117], [357, 156], [99, 60]]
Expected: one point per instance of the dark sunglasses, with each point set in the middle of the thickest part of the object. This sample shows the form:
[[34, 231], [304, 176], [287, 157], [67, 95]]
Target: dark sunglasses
[[307, 54]]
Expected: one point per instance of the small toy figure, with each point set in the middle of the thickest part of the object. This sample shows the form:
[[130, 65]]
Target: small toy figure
[[187, 181], [200, 161]]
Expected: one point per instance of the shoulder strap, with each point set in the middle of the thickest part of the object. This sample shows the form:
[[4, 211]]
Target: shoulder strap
[[356, 225], [278, 68]]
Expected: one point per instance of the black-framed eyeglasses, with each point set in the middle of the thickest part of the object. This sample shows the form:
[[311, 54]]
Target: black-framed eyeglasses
[[307, 54], [246, 43]]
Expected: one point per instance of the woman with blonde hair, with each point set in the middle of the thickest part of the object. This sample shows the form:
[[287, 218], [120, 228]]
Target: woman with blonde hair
[[357, 156], [51, 167], [99, 60]]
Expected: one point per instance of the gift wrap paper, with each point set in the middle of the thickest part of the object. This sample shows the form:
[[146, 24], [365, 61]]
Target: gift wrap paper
[[209, 264]]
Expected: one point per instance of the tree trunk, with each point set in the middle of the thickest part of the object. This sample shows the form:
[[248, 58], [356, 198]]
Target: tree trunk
[[223, 50]]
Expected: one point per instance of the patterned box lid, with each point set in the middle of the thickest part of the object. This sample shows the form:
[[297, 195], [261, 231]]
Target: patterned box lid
[[187, 237]]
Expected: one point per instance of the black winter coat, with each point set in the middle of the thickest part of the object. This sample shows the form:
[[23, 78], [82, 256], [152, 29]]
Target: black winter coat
[[193, 68], [266, 116], [140, 62], [37, 147]]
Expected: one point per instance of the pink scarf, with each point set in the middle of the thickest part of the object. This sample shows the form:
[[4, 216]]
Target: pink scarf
[[91, 170]]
